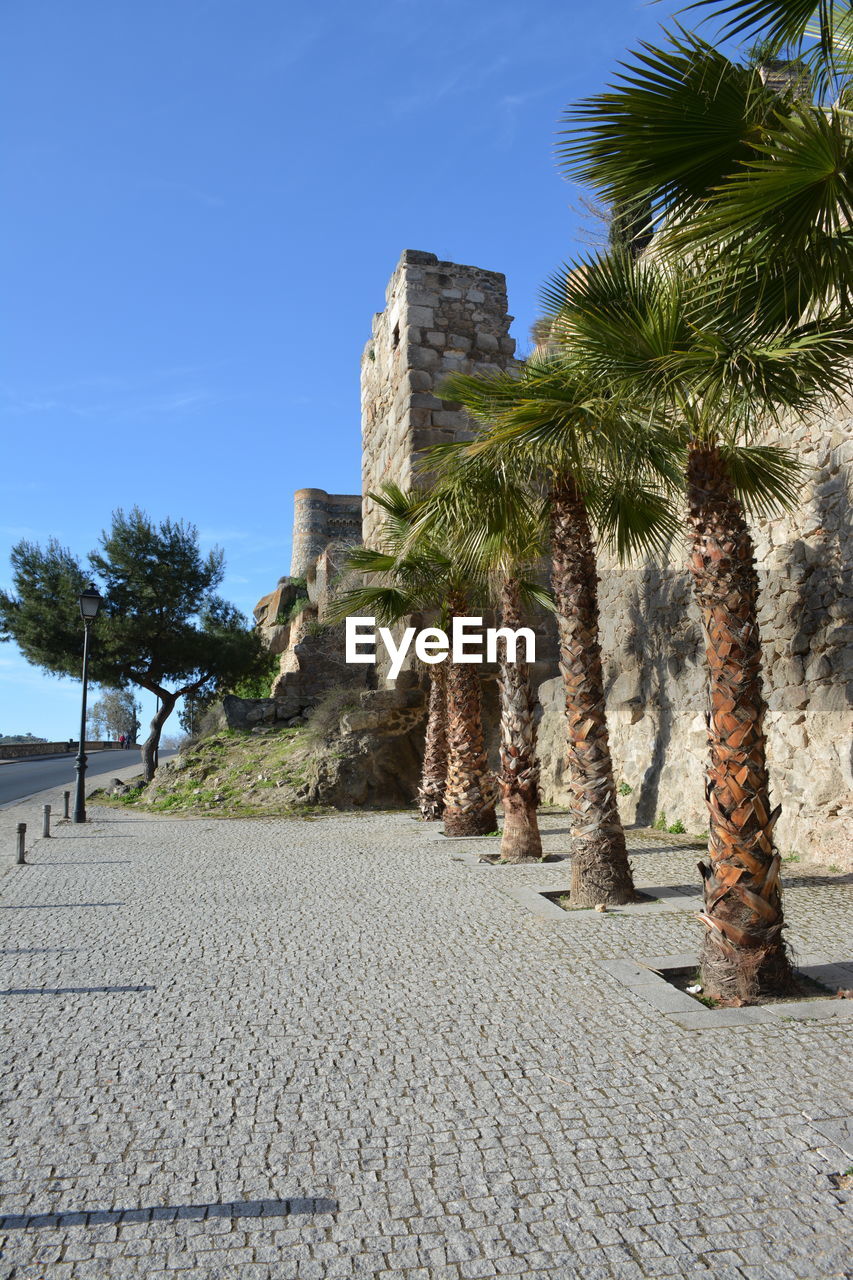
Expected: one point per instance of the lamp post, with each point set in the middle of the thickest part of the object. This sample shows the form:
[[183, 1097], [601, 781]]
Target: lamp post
[[90, 603]]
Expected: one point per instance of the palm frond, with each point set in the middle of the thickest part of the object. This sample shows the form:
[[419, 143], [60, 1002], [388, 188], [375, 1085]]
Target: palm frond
[[676, 123], [386, 603], [765, 477], [367, 560], [778, 22], [635, 521], [534, 596], [792, 200]]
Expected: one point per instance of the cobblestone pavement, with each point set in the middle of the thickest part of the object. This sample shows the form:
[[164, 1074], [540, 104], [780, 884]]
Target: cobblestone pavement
[[316, 1049]]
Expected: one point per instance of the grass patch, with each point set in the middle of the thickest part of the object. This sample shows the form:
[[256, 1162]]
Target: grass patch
[[676, 828]]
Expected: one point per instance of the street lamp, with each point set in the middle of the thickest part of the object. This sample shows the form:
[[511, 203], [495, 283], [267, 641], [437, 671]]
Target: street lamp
[[90, 603]]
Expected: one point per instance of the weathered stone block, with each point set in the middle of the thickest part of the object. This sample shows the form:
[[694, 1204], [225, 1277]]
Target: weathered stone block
[[422, 316], [486, 342]]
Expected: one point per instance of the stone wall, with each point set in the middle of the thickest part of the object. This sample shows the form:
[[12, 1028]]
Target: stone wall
[[440, 317], [26, 750]]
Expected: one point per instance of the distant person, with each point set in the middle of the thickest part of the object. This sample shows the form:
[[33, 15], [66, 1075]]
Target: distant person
[[122, 741], [127, 741]]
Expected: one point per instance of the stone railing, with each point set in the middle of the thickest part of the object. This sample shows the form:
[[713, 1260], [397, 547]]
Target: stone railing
[[24, 750]]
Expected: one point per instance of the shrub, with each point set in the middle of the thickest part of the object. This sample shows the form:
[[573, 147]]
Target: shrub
[[326, 715]]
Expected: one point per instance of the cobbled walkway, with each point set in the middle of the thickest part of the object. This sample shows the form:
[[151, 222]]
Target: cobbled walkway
[[263, 1050]]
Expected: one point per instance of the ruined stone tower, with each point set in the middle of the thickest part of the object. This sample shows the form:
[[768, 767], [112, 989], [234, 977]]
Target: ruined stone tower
[[440, 318], [318, 519]]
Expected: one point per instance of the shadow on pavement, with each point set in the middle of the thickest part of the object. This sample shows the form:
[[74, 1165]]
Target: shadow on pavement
[[172, 1213]]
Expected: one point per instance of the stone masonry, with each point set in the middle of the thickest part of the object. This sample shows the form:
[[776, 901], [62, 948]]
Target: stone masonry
[[440, 318], [318, 519]]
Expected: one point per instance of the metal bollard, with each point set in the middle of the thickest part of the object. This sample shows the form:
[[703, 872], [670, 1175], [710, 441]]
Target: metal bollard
[[66, 797], [22, 835], [45, 820]]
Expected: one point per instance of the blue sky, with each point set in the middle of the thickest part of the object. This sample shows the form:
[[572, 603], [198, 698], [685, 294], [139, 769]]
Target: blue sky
[[204, 201]]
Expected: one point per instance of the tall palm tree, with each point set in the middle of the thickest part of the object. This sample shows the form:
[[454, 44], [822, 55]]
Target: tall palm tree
[[416, 574], [684, 346], [493, 517], [747, 168], [571, 430]]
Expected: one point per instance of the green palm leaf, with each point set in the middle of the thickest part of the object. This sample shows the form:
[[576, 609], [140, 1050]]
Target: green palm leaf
[[676, 123], [779, 22]]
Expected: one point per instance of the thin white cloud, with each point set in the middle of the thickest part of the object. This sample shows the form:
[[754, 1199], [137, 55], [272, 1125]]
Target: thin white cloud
[[470, 78], [132, 405]]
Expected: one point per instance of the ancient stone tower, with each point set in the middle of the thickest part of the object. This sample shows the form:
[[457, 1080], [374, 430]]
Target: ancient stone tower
[[440, 317], [318, 519]]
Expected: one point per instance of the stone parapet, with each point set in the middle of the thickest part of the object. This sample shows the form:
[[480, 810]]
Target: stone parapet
[[26, 750]]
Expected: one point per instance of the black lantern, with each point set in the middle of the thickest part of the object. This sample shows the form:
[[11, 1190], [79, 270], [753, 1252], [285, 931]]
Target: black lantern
[[90, 603]]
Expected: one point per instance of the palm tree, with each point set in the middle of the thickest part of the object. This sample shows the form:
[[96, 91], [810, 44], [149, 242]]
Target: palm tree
[[494, 520], [747, 168], [685, 348], [570, 429], [418, 575]]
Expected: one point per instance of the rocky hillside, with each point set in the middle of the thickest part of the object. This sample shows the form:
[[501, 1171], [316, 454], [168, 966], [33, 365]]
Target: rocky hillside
[[354, 751]]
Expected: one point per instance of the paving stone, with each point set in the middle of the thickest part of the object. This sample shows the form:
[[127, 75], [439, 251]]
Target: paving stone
[[304, 1051]]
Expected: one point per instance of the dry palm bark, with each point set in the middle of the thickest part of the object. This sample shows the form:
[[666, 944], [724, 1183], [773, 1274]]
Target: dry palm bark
[[434, 773], [600, 868], [518, 776], [743, 953], [469, 797]]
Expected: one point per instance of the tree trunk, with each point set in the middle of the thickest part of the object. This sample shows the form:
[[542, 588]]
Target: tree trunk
[[151, 743], [434, 774], [469, 797], [600, 868], [518, 777], [743, 953]]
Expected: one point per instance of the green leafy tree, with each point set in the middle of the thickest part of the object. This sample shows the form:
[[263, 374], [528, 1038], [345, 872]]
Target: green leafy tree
[[162, 626], [115, 713]]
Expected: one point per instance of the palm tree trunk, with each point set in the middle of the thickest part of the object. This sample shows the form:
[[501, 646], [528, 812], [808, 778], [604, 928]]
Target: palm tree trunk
[[518, 777], [434, 773], [743, 953], [600, 868], [469, 798]]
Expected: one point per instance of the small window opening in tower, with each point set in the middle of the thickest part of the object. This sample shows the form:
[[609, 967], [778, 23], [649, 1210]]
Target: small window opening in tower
[[395, 336]]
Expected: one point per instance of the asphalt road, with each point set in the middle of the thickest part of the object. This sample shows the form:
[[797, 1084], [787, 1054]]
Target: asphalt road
[[21, 778]]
